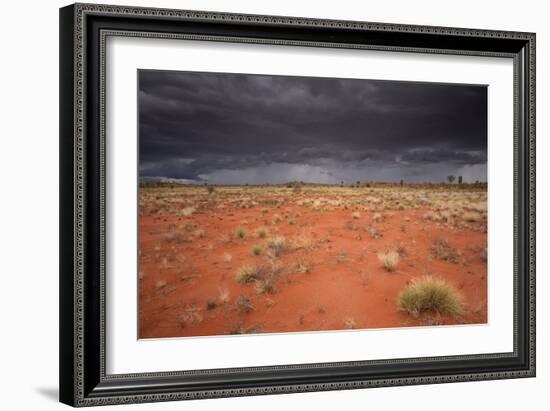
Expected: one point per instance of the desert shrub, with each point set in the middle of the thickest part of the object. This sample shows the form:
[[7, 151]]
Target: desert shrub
[[429, 294], [210, 189], [244, 304], [240, 233], [261, 232], [277, 219], [442, 250], [302, 267], [246, 274], [373, 232], [276, 245], [266, 285], [256, 249], [390, 259]]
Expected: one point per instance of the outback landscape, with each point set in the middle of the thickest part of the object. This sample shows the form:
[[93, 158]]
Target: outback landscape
[[276, 204], [220, 260]]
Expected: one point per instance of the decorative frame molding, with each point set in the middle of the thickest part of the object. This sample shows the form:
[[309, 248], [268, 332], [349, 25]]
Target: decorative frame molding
[[83, 32]]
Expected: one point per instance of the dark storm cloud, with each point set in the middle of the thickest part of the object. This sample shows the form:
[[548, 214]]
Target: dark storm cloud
[[238, 128]]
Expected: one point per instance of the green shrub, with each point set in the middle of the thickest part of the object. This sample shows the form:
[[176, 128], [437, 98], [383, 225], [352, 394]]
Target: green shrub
[[430, 294]]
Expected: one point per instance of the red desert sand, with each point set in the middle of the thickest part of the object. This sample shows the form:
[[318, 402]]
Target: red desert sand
[[236, 260]]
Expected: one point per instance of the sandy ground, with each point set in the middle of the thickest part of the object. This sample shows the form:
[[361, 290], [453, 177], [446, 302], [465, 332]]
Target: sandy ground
[[328, 276]]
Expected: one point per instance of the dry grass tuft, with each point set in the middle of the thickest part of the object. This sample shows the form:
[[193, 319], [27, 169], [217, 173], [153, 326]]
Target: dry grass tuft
[[189, 316], [244, 304], [223, 297], [390, 259], [430, 294], [187, 211], [240, 233], [442, 250], [261, 232], [373, 232], [256, 249], [276, 245], [247, 274]]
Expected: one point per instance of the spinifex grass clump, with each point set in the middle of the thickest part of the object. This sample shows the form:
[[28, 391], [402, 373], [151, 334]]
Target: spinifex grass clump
[[429, 294], [261, 232], [247, 274], [240, 233], [256, 249]]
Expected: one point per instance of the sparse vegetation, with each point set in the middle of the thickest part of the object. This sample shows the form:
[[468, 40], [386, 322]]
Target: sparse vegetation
[[247, 274], [261, 232], [240, 233], [442, 250], [239, 329], [187, 211], [244, 304], [390, 259], [223, 298], [276, 245], [373, 232], [272, 245], [191, 315], [429, 294], [471, 217]]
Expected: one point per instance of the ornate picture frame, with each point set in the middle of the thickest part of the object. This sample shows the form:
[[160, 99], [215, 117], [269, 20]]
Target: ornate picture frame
[[84, 30]]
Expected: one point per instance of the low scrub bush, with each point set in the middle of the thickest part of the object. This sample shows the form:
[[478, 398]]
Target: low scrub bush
[[429, 294]]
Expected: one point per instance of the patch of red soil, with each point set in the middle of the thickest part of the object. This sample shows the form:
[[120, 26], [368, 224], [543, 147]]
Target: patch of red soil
[[188, 263]]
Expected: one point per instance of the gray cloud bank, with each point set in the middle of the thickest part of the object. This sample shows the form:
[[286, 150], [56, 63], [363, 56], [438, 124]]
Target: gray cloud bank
[[239, 128]]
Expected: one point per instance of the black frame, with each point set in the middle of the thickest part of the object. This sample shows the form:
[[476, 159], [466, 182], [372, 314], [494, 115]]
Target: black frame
[[83, 30]]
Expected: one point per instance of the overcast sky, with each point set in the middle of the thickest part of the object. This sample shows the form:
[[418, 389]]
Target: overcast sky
[[225, 128]]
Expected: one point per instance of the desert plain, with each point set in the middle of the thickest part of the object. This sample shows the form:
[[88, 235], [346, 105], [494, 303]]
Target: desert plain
[[223, 260]]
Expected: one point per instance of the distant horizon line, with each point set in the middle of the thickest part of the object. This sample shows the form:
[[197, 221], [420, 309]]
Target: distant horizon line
[[148, 180]]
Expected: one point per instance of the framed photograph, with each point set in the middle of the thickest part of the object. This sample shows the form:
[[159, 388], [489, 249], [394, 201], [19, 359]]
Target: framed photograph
[[261, 204]]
